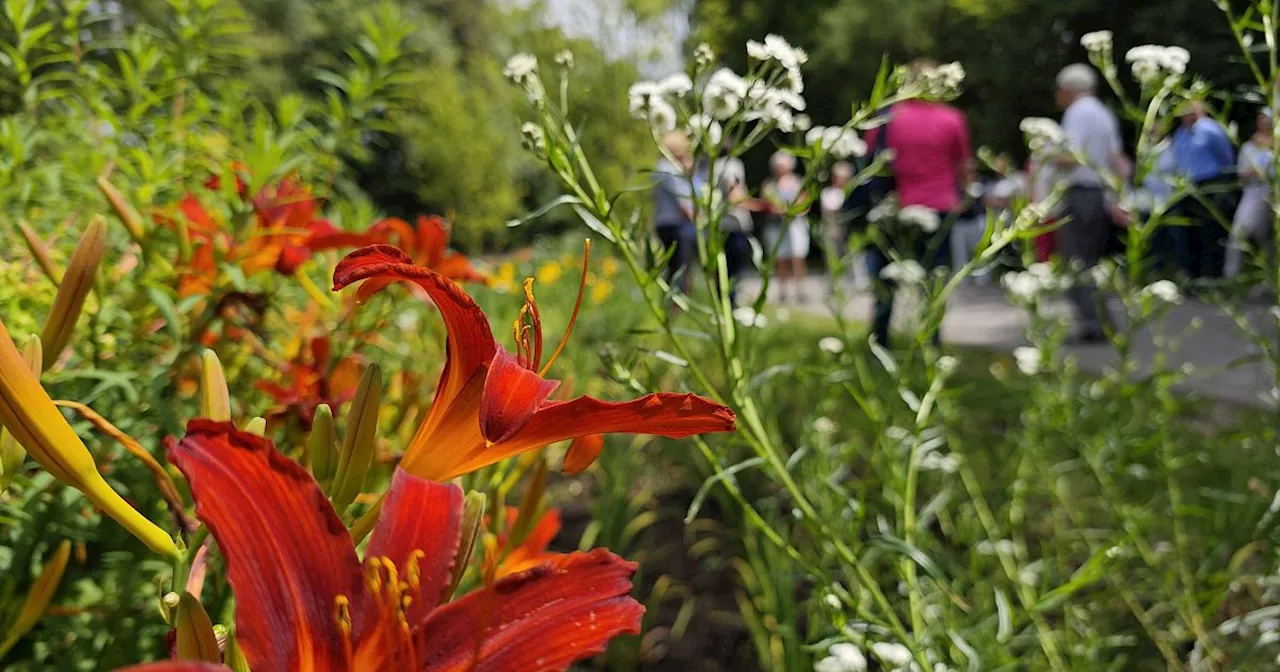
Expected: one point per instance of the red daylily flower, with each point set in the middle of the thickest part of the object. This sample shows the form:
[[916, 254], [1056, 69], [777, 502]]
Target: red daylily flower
[[490, 404], [427, 245], [305, 602], [313, 381]]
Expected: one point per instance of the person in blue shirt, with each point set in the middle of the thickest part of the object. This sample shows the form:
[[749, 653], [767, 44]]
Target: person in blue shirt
[[1203, 153]]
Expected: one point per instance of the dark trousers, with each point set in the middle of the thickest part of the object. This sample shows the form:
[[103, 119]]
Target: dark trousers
[[1083, 239], [737, 257], [1199, 247], [684, 238], [930, 251]]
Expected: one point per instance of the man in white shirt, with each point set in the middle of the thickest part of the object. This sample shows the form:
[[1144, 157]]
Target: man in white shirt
[[1093, 138]]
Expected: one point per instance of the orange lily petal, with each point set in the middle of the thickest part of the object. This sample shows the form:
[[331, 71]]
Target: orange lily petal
[[544, 619], [512, 394], [582, 452], [419, 530], [533, 550], [176, 666], [663, 414], [288, 555], [470, 345], [432, 239]]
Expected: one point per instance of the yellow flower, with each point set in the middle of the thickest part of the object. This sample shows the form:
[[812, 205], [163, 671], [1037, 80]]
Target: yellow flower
[[600, 291], [549, 272], [609, 267], [505, 279]]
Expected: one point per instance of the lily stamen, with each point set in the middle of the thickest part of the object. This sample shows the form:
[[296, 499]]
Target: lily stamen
[[577, 305]]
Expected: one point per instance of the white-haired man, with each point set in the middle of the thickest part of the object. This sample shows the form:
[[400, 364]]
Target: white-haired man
[[1093, 137]]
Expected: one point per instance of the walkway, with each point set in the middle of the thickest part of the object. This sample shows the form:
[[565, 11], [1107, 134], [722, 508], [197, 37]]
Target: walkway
[[981, 317]]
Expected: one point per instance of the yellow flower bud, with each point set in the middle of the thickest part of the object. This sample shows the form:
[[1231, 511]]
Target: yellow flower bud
[[360, 441], [29, 414], [196, 640], [11, 453], [130, 217], [73, 290], [41, 253], [38, 599], [215, 400]]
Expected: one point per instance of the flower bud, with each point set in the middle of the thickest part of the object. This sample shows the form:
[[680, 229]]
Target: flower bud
[[29, 414], [128, 216], [256, 425], [38, 599], [215, 400], [73, 289], [41, 253], [322, 446], [11, 453], [531, 504], [472, 517], [196, 640], [360, 441]]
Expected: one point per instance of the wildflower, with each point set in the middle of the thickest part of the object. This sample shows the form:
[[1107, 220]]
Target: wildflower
[[748, 317], [947, 364], [601, 291], [1152, 62], [840, 142], [1097, 42], [722, 97], [706, 131], [943, 81], [641, 95], [926, 219], [908, 271], [532, 138], [1028, 359], [304, 598], [703, 55], [520, 68], [831, 345], [660, 115], [549, 272], [29, 416], [824, 425], [564, 59], [845, 657], [1164, 290], [776, 48], [757, 50], [896, 655], [490, 404], [1042, 133], [676, 85]]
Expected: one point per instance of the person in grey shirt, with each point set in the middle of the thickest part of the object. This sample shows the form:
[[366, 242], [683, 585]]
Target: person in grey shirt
[[673, 208], [1093, 140]]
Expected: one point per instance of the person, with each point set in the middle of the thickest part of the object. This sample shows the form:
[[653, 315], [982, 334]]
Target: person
[[1093, 138], [1255, 168], [932, 163], [673, 208], [1155, 194], [834, 226], [1203, 154], [736, 225], [789, 237]]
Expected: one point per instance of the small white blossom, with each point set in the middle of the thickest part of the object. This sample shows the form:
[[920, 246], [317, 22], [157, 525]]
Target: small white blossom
[[703, 55], [921, 217], [564, 59], [520, 67], [845, 657], [723, 95], [748, 317], [886, 210], [840, 142], [999, 547], [831, 345], [824, 425], [832, 601], [1152, 62], [1021, 286], [705, 131], [1028, 359], [934, 461], [1097, 42], [676, 85], [943, 81], [532, 137], [1164, 290], [947, 364], [662, 116], [896, 655], [777, 48], [907, 271], [1042, 133], [757, 50], [803, 122]]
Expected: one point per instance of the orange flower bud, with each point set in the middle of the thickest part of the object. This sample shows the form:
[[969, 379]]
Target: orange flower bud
[[128, 216], [73, 290]]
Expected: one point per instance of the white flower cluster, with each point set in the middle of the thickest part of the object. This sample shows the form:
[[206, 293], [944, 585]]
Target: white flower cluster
[[1163, 290], [522, 69], [776, 48], [564, 59], [896, 656], [1098, 42], [724, 93], [1042, 133], [920, 217], [778, 107], [1028, 359], [652, 101], [844, 657], [935, 461], [839, 141], [1038, 279], [942, 81], [705, 131], [831, 345], [1153, 62], [824, 425], [703, 55], [532, 137], [748, 317], [905, 271]]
